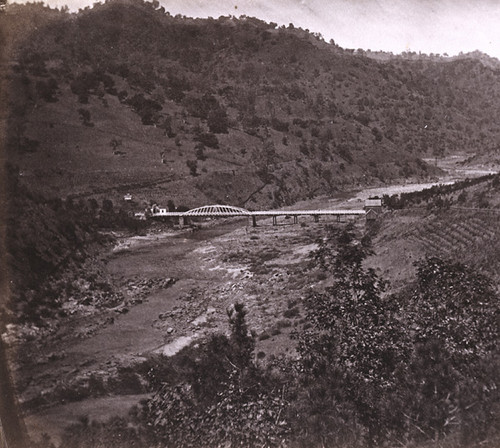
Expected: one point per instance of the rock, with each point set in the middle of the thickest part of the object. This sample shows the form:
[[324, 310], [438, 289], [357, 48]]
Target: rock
[[170, 330]]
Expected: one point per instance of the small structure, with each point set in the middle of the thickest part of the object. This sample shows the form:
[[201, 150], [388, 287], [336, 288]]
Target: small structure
[[373, 207], [127, 197]]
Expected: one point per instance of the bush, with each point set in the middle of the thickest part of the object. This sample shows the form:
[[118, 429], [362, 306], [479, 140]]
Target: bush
[[377, 134], [47, 90], [208, 139], [193, 166], [85, 117], [291, 312], [200, 154], [279, 125], [217, 121], [147, 109]]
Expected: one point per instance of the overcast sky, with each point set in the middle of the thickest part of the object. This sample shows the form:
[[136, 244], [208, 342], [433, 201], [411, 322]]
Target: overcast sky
[[429, 26]]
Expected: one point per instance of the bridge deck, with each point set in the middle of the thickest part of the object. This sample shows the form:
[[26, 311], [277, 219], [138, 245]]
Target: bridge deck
[[306, 212], [345, 212]]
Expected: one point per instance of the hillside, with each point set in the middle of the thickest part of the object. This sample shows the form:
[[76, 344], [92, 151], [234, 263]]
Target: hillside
[[458, 222], [124, 97]]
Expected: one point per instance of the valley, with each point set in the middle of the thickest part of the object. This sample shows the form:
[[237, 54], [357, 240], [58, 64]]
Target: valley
[[138, 333], [177, 286]]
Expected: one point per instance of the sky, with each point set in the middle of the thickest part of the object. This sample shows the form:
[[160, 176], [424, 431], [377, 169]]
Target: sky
[[427, 26]]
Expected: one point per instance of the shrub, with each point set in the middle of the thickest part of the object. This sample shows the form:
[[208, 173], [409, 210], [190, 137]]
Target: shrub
[[147, 109], [208, 139], [193, 166], [47, 90], [364, 119], [377, 134], [200, 154], [217, 121], [85, 117], [291, 312], [279, 125]]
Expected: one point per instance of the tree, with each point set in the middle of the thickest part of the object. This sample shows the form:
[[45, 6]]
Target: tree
[[378, 134], [453, 316], [456, 306], [93, 205], [47, 90], [200, 153], [217, 121], [356, 346], [107, 206], [208, 139], [229, 400], [242, 341], [171, 205], [85, 117], [146, 108], [193, 166]]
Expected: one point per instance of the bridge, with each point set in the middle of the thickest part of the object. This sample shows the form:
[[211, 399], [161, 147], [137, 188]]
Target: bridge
[[227, 211]]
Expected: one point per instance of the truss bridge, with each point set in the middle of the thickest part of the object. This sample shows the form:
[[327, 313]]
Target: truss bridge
[[227, 211]]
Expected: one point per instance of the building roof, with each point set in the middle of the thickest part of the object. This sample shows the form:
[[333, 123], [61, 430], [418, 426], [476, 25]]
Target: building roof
[[373, 203]]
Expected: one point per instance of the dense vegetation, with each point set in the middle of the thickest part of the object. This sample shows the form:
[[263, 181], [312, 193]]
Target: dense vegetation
[[419, 367], [441, 196], [48, 244]]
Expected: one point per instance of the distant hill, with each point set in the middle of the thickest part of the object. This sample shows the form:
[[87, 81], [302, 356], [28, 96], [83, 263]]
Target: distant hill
[[125, 98]]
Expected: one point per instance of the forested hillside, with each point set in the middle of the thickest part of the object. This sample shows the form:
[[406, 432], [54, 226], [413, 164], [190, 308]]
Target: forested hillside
[[125, 97]]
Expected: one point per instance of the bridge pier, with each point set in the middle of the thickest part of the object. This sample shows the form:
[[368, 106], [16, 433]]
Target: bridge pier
[[181, 222], [275, 220], [254, 221], [316, 218], [295, 219]]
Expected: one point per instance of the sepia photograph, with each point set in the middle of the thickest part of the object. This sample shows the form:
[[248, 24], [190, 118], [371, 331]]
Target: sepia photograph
[[250, 224]]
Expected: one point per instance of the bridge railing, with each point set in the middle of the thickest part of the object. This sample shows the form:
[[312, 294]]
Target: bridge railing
[[227, 210]]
